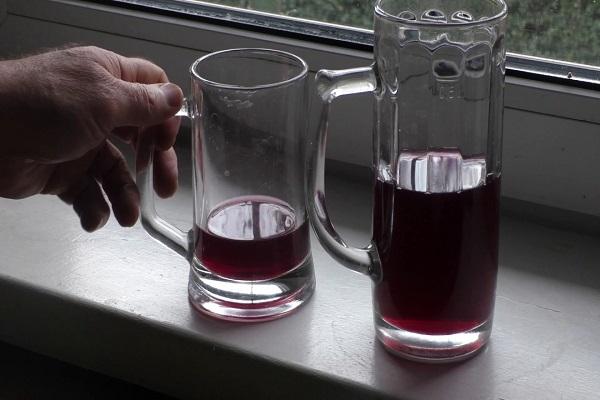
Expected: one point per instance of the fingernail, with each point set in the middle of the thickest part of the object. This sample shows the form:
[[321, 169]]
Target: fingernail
[[173, 94]]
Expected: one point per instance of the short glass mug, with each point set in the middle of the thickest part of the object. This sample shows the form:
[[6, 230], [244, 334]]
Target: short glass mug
[[249, 249], [438, 81]]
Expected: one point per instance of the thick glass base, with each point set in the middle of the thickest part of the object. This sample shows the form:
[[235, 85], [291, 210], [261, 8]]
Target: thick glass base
[[250, 301], [432, 348]]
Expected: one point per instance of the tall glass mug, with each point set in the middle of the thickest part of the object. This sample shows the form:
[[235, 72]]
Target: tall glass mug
[[249, 249], [438, 80]]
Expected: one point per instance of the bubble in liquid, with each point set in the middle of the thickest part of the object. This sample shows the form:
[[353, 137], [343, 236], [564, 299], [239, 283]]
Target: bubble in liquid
[[433, 15], [462, 16]]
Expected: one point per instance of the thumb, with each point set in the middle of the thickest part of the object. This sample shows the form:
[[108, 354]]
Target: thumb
[[146, 105]]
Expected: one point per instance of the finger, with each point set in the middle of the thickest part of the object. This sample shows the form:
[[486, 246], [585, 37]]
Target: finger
[[144, 148], [90, 206], [163, 135], [138, 104], [126, 133], [146, 91], [140, 70], [110, 169], [166, 133], [165, 173], [126, 68], [67, 178], [70, 194]]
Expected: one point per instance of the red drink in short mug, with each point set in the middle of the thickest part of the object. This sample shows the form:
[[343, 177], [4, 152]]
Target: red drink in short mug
[[252, 238]]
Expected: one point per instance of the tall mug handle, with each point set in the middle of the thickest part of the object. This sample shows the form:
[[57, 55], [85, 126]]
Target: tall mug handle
[[160, 229], [330, 85]]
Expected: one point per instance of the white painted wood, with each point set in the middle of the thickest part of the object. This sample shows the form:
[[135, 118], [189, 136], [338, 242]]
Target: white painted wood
[[115, 301], [179, 32], [350, 139], [552, 99], [551, 161], [2, 11]]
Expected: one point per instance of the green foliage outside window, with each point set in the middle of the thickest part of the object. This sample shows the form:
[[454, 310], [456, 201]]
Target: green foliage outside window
[[559, 29]]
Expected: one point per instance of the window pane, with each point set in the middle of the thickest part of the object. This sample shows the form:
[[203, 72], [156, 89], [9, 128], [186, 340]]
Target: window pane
[[566, 30]]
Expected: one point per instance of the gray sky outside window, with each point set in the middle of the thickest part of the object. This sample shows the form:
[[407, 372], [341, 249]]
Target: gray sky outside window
[[567, 30]]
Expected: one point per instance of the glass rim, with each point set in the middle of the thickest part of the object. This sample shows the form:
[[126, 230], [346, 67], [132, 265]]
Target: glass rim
[[248, 50], [379, 11]]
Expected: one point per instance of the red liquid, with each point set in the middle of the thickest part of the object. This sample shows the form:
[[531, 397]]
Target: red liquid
[[252, 238], [439, 255]]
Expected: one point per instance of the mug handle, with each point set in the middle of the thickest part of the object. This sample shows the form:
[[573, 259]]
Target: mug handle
[[161, 230], [330, 85]]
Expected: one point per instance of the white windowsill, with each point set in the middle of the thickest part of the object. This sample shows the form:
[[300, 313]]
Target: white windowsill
[[115, 301]]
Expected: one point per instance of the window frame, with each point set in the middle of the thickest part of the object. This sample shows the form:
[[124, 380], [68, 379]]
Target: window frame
[[557, 123], [547, 92], [532, 84], [517, 65]]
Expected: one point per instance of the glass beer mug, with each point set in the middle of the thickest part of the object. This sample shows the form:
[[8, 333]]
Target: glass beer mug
[[438, 81], [249, 247]]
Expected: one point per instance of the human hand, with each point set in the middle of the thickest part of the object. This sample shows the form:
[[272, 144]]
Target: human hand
[[57, 111]]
